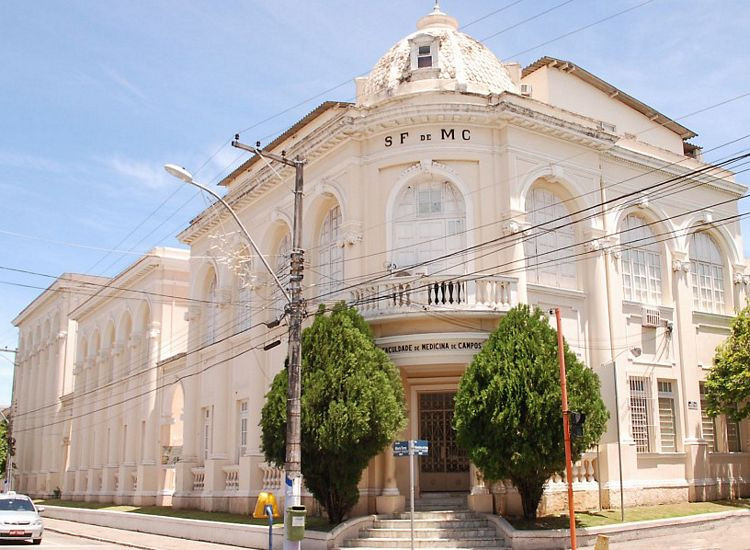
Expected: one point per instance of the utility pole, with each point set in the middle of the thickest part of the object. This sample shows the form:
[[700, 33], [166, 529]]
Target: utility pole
[[296, 313], [566, 429]]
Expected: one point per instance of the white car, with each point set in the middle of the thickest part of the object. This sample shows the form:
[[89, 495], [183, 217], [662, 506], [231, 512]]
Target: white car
[[19, 518]]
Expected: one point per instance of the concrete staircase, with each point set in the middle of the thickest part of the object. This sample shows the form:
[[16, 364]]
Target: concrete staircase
[[441, 521]]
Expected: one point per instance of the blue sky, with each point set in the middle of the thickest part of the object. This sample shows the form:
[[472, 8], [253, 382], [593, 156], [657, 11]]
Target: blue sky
[[96, 96]]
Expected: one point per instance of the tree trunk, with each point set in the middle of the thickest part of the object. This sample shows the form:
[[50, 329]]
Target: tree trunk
[[531, 493]]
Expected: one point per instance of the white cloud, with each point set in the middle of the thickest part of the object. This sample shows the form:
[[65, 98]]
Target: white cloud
[[148, 174], [124, 83]]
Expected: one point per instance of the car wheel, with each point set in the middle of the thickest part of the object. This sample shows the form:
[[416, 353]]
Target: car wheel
[[37, 541]]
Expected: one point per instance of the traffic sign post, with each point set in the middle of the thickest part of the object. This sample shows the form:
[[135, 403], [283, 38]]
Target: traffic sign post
[[418, 447]]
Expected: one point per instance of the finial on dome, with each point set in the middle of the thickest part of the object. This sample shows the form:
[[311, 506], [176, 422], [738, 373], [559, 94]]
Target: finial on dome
[[437, 19]]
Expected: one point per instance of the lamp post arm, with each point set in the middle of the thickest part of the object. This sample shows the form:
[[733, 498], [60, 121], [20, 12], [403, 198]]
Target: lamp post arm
[[226, 205]]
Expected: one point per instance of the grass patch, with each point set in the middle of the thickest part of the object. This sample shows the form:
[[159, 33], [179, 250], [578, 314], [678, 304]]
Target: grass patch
[[313, 523], [636, 513]]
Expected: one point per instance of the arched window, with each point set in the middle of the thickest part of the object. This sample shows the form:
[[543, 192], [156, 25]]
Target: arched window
[[641, 262], [244, 291], [331, 255], [212, 309], [707, 269], [281, 268], [429, 222], [549, 252]]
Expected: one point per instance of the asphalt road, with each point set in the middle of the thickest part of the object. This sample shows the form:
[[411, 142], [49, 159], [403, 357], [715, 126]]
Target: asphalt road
[[57, 540]]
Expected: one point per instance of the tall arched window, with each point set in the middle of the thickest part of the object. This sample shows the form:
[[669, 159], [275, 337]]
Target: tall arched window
[[641, 262], [211, 309], [707, 269], [549, 252], [281, 268], [244, 291], [429, 222], [331, 255]]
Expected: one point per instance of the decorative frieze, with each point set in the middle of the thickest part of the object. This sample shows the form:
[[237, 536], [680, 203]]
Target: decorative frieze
[[741, 278], [351, 233]]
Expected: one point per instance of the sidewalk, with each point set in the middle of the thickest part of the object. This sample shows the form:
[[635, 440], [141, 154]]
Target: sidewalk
[[144, 541], [734, 535]]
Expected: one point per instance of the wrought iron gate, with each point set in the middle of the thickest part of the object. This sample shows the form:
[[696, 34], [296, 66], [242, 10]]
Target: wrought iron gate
[[446, 468]]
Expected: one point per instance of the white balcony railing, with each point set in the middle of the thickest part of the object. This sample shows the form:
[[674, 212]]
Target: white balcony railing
[[404, 294], [198, 478], [231, 477]]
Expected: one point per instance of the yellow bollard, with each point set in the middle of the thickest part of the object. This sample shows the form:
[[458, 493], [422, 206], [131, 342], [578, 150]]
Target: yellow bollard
[[260, 506], [602, 542]]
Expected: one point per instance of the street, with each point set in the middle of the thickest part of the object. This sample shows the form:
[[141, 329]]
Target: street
[[69, 534], [58, 540]]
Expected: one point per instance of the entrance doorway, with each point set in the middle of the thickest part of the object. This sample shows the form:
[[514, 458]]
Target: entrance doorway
[[446, 468]]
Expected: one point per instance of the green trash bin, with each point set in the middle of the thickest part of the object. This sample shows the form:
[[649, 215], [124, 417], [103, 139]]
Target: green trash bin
[[295, 518]]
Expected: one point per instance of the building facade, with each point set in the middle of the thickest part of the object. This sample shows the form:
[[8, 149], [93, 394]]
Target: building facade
[[455, 187]]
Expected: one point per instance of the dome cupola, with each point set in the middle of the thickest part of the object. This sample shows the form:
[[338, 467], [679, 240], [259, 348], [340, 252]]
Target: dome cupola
[[437, 57]]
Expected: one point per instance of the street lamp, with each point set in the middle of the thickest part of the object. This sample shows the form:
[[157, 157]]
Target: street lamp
[[295, 310], [636, 352]]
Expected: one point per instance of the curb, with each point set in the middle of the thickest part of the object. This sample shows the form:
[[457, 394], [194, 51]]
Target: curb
[[100, 539]]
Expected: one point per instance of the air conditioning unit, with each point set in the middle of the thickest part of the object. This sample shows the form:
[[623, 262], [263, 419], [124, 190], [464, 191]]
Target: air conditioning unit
[[526, 90], [651, 317]]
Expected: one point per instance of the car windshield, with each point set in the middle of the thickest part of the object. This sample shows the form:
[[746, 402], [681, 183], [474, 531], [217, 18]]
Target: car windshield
[[16, 505]]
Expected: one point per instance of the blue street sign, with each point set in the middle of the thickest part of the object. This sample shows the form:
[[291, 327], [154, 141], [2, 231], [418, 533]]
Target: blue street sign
[[421, 447], [400, 448]]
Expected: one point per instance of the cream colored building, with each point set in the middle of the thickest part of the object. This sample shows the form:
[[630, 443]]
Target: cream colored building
[[455, 187]]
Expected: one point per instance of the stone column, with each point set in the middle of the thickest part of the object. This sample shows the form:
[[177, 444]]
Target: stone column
[[390, 500], [696, 449], [511, 230], [148, 469]]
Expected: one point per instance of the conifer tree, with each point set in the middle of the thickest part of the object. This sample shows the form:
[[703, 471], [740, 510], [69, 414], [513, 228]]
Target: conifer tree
[[352, 407], [728, 382], [508, 407]]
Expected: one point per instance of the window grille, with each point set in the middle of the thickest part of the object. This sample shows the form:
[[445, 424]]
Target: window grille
[[641, 262], [707, 273], [212, 309], [331, 254], [708, 424], [733, 437], [667, 423], [242, 435], [281, 268], [639, 413], [206, 432], [550, 247], [429, 222]]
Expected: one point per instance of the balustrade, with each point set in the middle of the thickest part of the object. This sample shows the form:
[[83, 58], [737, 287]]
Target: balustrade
[[583, 471], [231, 477], [401, 294], [272, 477], [199, 475]]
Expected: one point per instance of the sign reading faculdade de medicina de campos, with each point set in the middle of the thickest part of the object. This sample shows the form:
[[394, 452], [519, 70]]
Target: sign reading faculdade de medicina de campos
[[432, 348]]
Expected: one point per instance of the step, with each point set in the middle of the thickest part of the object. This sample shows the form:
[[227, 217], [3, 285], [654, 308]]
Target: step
[[492, 542], [461, 533], [407, 546], [439, 515], [430, 523]]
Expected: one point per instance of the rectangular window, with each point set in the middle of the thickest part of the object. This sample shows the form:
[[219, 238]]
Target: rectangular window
[[242, 429], [708, 424], [667, 423], [733, 437], [639, 413], [206, 435], [424, 57]]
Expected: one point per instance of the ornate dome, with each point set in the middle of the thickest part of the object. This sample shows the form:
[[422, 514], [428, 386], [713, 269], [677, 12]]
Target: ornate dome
[[437, 56]]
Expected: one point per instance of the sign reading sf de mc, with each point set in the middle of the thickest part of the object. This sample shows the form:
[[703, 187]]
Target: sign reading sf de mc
[[444, 134]]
